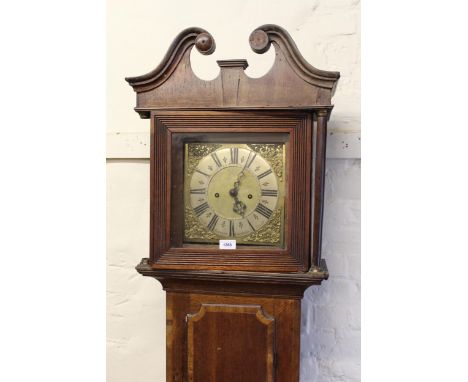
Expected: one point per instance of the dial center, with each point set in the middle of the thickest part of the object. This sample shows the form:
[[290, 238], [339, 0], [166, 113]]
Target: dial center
[[225, 183]]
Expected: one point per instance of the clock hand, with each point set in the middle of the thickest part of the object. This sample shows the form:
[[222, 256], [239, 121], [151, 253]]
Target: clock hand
[[239, 207], [234, 191], [240, 175]]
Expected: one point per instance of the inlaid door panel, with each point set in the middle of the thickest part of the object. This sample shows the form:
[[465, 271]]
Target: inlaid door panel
[[233, 343]]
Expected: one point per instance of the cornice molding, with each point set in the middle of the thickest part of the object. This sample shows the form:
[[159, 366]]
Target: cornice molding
[[184, 41], [261, 39], [291, 82]]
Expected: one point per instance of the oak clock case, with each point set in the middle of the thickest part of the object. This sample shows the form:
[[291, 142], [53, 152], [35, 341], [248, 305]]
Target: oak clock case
[[240, 159]]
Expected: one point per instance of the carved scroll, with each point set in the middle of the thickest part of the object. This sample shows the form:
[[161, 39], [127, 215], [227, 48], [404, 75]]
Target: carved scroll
[[291, 83]]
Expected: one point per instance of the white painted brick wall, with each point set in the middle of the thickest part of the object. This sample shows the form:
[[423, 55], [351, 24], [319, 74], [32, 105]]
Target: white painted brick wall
[[331, 329]]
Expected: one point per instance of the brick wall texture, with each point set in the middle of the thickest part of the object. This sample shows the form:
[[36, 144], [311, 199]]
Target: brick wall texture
[[331, 324]]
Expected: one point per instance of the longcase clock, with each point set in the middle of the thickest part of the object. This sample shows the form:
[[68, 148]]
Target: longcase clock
[[237, 182]]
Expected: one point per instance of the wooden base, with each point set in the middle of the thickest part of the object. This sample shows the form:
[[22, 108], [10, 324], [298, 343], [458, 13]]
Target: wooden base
[[233, 326]]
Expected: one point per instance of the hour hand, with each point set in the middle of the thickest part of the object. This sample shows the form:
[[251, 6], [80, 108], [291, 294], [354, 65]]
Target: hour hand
[[239, 207], [234, 191]]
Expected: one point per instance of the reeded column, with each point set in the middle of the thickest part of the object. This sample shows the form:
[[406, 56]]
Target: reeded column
[[319, 185]]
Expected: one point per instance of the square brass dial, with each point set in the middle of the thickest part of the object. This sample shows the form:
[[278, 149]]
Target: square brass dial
[[234, 191]]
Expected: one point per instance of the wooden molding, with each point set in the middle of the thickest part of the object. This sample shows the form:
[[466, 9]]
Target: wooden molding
[[291, 83], [286, 285]]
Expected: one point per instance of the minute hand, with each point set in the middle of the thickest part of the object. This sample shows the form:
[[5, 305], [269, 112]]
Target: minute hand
[[241, 173]]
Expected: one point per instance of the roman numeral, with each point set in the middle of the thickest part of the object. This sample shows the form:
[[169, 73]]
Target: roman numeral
[[270, 193], [201, 208], [264, 211], [231, 228], [250, 159], [250, 224], [263, 174], [200, 191], [213, 222], [216, 159], [234, 155], [203, 173]]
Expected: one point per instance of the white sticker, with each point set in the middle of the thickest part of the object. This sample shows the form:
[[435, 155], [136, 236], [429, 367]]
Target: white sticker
[[227, 244]]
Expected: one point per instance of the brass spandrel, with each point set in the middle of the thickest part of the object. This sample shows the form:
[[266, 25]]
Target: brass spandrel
[[274, 154]]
